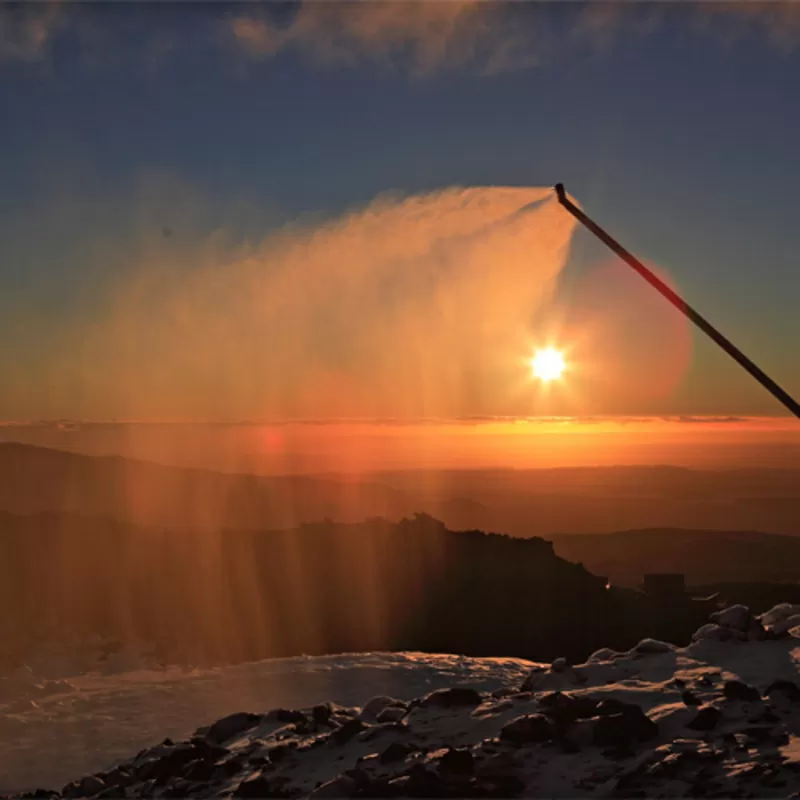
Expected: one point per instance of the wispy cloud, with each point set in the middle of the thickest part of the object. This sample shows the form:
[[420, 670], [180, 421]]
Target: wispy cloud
[[421, 37], [492, 37], [426, 37], [777, 20], [26, 31]]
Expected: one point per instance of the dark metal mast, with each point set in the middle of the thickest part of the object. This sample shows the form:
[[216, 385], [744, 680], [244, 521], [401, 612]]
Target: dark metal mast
[[705, 326]]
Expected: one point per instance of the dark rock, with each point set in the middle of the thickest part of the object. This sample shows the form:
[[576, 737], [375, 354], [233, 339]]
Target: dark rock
[[423, 782], [229, 768], [347, 732], [341, 786], [566, 708], [457, 762], [200, 770], [284, 716], [448, 698], [530, 682], [258, 787], [501, 786], [767, 716], [391, 714], [759, 733], [706, 719], [179, 788], [374, 731], [321, 714], [502, 763], [233, 725], [736, 690], [172, 763], [623, 729], [208, 751], [528, 729], [396, 751], [280, 752], [690, 699], [611, 706], [788, 689], [117, 777]]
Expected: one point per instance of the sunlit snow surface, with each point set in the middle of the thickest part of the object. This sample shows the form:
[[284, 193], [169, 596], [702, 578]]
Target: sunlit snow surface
[[59, 722], [56, 729]]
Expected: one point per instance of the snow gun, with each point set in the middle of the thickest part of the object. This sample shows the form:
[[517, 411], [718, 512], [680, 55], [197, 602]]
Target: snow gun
[[734, 352]]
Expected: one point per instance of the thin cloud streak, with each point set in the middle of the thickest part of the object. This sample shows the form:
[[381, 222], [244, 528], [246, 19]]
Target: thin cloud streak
[[420, 38]]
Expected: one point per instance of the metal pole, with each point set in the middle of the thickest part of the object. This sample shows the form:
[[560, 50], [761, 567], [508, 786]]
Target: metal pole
[[705, 326]]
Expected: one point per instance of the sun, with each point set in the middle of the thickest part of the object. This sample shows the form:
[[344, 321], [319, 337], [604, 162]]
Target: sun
[[547, 364]]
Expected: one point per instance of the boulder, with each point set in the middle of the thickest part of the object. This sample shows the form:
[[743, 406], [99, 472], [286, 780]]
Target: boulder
[[736, 618], [457, 761], [322, 713], [449, 698], [284, 715], [232, 725], [376, 705], [347, 732], [706, 719], [424, 782], [257, 787], [396, 751], [788, 689], [736, 690], [651, 647], [528, 729], [623, 729], [564, 709], [91, 786], [778, 614], [690, 699], [784, 627], [603, 655], [391, 714]]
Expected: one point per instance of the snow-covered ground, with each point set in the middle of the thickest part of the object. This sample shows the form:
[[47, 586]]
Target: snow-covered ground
[[59, 721], [720, 718]]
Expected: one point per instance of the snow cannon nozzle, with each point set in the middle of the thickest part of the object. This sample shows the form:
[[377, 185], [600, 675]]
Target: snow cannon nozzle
[[562, 195]]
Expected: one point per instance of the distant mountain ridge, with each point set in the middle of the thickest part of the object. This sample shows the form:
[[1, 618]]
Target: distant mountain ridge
[[36, 479], [703, 556], [522, 503]]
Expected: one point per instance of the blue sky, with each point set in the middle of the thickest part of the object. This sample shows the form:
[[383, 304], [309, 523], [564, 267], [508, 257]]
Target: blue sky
[[675, 126]]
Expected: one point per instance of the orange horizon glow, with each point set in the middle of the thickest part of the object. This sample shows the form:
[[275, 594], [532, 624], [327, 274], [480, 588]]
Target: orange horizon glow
[[362, 446]]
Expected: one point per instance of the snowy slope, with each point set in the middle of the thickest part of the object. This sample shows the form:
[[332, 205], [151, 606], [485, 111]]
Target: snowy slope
[[59, 721], [708, 719]]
